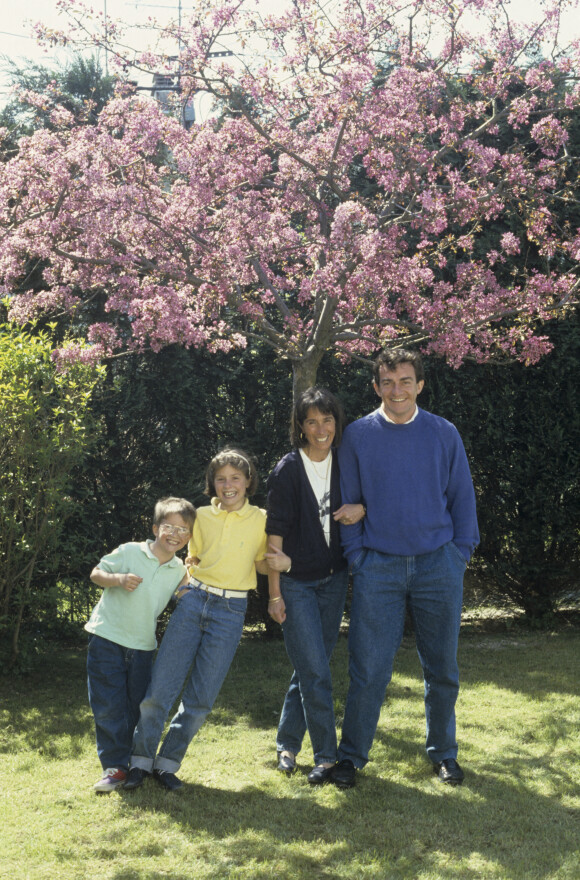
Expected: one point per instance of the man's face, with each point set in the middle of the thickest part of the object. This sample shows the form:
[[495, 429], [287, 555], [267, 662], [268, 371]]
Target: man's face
[[398, 389]]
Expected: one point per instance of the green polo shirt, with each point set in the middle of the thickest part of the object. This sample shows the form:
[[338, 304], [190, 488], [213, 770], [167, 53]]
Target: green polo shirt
[[130, 618]]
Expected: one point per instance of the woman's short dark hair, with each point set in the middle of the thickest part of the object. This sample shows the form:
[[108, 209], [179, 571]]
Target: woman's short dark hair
[[392, 357], [325, 402], [238, 459]]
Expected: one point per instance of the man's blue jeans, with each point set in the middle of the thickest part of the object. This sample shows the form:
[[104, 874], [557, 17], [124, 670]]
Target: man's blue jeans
[[313, 616], [197, 650], [117, 679], [384, 586]]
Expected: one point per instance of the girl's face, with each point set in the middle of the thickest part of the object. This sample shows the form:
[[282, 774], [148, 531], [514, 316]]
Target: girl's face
[[230, 487]]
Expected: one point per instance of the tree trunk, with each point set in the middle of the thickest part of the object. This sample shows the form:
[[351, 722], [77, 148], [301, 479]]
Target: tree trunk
[[304, 372]]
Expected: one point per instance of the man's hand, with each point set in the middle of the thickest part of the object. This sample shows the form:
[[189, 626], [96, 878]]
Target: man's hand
[[349, 514]]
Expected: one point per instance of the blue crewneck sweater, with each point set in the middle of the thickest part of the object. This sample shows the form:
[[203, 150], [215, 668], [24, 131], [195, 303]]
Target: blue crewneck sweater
[[415, 483]]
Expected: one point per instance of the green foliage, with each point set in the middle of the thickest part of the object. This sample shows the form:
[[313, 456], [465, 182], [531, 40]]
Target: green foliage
[[521, 427], [78, 86], [45, 428]]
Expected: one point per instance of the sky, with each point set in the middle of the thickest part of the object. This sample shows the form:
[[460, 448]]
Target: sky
[[15, 24]]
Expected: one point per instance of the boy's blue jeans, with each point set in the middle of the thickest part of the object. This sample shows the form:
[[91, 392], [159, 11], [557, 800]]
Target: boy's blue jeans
[[117, 679], [313, 615], [384, 586], [196, 651]]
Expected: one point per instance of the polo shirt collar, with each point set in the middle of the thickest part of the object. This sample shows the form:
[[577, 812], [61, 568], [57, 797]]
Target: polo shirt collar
[[145, 546], [217, 510]]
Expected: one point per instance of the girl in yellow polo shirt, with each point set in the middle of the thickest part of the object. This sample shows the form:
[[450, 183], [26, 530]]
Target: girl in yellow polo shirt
[[227, 546]]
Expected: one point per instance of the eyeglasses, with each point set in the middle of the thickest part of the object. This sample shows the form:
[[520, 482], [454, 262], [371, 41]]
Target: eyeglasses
[[178, 531]]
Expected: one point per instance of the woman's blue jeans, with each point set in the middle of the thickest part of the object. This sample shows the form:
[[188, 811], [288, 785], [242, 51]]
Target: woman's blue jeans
[[384, 586], [313, 616], [197, 650], [117, 678]]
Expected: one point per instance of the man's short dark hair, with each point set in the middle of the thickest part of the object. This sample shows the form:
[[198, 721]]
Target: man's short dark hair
[[392, 357], [325, 402]]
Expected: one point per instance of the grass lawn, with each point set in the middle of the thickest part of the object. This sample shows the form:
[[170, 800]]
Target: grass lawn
[[516, 816]]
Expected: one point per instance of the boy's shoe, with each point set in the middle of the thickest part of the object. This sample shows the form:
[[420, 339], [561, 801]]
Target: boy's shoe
[[111, 779], [135, 778], [168, 780]]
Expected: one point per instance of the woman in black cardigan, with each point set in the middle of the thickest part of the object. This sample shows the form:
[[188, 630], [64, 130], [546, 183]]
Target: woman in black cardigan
[[304, 511]]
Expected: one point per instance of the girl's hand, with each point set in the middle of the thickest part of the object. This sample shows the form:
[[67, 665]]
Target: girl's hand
[[191, 560], [349, 514], [277, 609], [277, 559]]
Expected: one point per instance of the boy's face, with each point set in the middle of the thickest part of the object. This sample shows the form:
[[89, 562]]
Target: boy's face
[[230, 487], [171, 535]]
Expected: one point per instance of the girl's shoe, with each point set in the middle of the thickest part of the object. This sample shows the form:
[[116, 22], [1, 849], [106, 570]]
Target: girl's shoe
[[286, 761]]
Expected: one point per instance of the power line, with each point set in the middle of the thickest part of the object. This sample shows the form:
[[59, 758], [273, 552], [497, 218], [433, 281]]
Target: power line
[[20, 36]]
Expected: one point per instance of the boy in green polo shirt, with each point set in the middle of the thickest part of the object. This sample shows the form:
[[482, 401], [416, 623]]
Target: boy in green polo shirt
[[138, 580]]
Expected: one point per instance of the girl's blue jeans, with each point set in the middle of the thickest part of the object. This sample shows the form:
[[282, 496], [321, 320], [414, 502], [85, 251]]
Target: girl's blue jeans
[[195, 654]]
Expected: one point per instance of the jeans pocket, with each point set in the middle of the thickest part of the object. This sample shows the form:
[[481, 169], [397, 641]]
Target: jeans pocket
[[458, 554], [357, 564], [237, 606]]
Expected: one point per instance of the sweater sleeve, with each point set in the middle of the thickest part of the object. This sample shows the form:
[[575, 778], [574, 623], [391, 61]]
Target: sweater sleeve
[[351, 536], [461, 501], [282, 499]]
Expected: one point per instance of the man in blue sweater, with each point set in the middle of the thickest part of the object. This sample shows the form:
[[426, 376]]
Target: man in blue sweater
[[409, 468]]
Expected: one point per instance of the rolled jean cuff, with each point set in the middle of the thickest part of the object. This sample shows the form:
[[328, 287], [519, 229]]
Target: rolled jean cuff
[[166, 764], [142, 763]]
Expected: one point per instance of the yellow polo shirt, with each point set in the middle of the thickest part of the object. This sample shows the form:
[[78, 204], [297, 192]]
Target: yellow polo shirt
[[228, 545]]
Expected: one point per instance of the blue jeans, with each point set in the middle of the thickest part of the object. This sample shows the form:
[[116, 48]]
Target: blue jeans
[[197, 650], [313, 615], [431, 586], [117, 679]]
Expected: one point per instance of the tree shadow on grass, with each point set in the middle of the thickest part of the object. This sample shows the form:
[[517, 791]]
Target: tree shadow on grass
[[401, 829]]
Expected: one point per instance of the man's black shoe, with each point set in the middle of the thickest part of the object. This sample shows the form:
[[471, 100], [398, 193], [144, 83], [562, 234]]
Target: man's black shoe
[[135, 778], [320, 774], [168, 780], [449, 771], [343, 774]]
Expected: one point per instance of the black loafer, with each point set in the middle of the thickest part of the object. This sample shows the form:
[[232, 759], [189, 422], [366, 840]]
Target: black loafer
[[135, 778], [449, 771], [286, 763], [319, 774], [168, 780], [343, 774]]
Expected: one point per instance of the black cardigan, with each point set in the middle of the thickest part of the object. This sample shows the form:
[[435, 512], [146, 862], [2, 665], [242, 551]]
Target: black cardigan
[[293, 514]]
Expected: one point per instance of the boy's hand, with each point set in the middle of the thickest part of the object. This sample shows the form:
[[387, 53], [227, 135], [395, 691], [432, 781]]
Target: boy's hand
[[129, 581]]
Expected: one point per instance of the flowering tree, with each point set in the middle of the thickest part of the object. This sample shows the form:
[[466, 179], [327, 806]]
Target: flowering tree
[[391, 171]]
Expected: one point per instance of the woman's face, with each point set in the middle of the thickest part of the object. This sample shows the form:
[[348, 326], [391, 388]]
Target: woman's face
[[319, 429]]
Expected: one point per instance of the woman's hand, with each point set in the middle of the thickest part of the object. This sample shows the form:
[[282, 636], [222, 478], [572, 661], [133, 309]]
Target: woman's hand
[[277, 609], [349, 514], [277, 559]]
